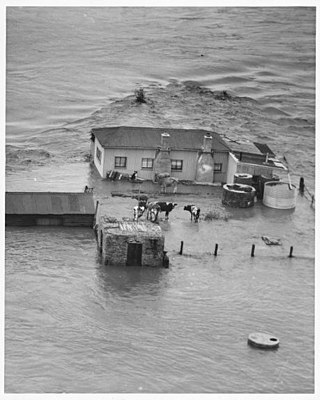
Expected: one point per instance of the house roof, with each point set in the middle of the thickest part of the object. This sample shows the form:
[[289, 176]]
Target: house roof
[[264, 148], [245, 147], [45, 203], [150, 138]]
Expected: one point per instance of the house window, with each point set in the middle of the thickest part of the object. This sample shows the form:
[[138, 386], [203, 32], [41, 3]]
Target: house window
[[98, 154], [217, 167], [147, 163], [176, 165], [120, 162]]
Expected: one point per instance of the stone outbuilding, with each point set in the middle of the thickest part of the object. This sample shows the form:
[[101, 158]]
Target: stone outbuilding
[[131, 243]]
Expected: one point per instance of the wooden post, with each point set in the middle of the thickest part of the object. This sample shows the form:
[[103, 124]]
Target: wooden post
[[216, 249], [291, 250], [95, 213], [101, 242], [252, 250], [181, 247], [301, 185]]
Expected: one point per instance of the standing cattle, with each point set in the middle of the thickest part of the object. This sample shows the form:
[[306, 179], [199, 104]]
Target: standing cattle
[[139, 209], [138, 212], [194, 212], [161, 206], [153, 210], [165, 180]]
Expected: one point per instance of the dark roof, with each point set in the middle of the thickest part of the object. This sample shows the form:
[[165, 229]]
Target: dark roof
[[150, 138], [250, 147], [243, 147], [264, 148], [45, 203]]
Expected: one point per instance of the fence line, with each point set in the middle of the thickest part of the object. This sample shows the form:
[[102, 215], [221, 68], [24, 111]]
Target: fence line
[[251, 253], [302, 186]]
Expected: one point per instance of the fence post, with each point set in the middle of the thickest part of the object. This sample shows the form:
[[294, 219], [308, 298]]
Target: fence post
[[291, 250], [301, 185], [252, 250], [181, 247]]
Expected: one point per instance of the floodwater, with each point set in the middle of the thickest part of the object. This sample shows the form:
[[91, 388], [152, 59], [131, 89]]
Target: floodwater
[[75, 325]]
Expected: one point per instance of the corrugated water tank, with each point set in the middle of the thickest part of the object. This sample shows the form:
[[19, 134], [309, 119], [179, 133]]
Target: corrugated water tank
[[281, 195]]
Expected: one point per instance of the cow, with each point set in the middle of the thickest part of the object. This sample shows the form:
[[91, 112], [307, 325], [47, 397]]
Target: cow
[[194, 211], [161, 206], [165, 180], [153, 210], [138, 212]]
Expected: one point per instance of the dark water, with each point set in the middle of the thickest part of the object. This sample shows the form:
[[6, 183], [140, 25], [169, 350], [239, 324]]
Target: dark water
[[74, 325]]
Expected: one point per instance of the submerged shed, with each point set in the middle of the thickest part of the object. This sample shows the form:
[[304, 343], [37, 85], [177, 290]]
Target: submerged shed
[[49, 208], [131, 243]]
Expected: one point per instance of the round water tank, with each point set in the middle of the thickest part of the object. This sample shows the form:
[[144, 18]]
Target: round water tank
[[238, 195], [245, 179], [281, 195], [261, 182]]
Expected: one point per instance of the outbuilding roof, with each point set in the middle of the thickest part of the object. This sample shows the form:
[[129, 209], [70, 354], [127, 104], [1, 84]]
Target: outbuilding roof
[[49, 203], [150, 138], [130, 228]]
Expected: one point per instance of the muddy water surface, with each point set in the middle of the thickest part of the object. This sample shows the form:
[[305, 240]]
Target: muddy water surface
[[74, 325]]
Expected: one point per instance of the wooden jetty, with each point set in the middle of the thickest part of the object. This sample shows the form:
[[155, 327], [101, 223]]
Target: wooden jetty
[[49, 209]]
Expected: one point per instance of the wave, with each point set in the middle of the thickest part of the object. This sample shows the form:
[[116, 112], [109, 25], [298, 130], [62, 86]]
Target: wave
[[273, 111], [216, 94], [17, 157], [178, 104]]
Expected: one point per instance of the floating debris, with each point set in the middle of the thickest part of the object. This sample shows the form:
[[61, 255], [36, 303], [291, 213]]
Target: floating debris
[[263, 340], [271, 241]]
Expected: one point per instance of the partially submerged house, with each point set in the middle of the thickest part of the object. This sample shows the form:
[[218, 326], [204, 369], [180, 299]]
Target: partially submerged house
[[130, 243], [49, 209], [195, 155], [186, 154]]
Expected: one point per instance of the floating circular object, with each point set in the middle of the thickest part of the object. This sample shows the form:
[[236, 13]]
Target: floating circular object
[[263, 340]]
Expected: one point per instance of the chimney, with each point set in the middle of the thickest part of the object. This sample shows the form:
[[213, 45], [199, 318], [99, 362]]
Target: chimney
[[205, 163], [162, 160], [165, 137], [207, 144]]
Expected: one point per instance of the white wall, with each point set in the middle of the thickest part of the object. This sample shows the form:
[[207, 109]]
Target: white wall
[[99, 165], [254, 169], [134, 158], [189, 164], [232, 168], [221, 158]]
